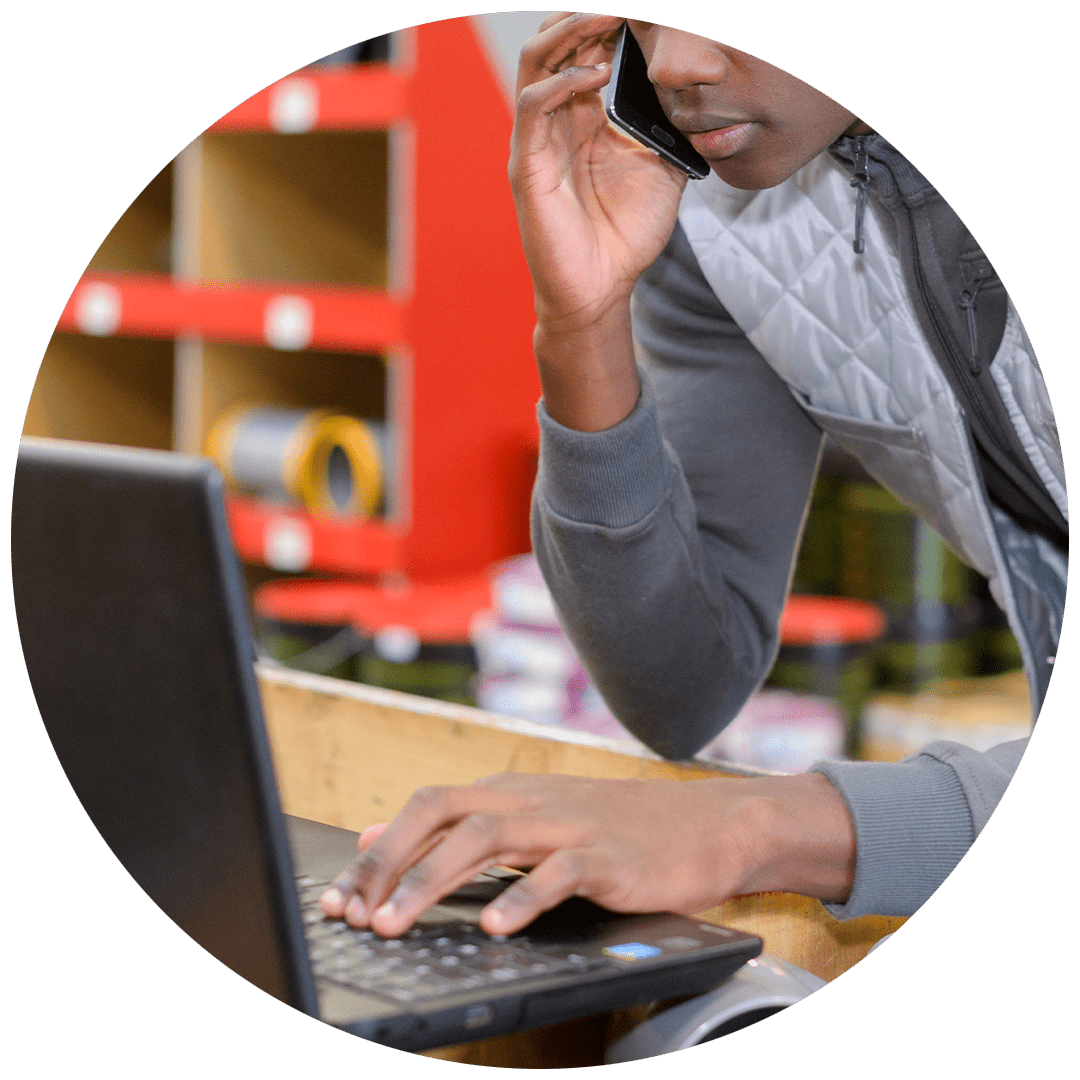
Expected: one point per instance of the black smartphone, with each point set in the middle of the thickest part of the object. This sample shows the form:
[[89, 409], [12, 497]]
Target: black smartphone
[[634, 107]]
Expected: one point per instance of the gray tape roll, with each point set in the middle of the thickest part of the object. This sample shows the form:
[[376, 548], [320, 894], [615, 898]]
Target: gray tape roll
[[329, 463]]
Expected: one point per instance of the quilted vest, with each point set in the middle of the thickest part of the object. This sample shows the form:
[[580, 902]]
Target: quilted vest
[[841, 329]]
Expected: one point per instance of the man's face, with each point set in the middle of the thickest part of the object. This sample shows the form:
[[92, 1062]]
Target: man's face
[[752, 122]]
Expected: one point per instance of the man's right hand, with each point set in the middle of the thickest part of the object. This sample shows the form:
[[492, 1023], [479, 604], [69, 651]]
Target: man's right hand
[[595, 209], [630, 845]]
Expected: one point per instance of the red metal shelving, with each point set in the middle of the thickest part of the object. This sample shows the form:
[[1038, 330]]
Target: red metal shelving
[[291, 539], [462, 326], [343, 99], [285, 316]]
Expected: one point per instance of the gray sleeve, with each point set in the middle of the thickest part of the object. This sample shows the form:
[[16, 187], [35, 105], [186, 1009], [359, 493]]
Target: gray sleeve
[[915, 819], [668, 540]]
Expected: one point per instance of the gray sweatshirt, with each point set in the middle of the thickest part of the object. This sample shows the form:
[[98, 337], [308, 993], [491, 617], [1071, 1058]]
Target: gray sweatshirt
[[668, 542]]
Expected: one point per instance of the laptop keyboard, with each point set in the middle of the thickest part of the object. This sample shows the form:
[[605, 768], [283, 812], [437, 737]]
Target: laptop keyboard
[[424, 962]]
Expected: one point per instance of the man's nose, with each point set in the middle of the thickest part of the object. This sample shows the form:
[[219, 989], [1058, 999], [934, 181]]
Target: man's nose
[[678, 60]]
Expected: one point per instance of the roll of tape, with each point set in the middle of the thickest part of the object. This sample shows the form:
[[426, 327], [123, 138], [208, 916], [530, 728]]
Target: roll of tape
[[331, 464], [342, 471]]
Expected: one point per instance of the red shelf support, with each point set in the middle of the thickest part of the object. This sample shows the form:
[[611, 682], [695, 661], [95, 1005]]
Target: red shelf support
[[283, 316], [290, 539], [352, 98]]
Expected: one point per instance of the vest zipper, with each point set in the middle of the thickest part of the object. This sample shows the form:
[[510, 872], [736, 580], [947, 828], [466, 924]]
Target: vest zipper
[[967, 372], [966, 375], [964, 372], [860, 178], [967, 305]]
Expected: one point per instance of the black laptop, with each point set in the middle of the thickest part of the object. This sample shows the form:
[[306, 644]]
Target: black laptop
[[134, 625]]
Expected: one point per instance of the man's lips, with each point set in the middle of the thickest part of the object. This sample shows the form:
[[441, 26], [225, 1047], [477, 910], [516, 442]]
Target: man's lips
[[720, 141]]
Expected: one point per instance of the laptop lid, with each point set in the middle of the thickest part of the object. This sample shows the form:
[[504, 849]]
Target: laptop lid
[[132, 618]]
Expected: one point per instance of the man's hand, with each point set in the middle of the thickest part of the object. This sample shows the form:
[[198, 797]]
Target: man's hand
[[629, 845], [594, 206], [595, 209]]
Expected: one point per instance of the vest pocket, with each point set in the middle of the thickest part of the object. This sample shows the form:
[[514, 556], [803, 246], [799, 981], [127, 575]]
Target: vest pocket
[[895, 455]]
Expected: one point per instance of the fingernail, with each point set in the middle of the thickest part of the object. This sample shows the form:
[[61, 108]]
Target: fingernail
[[388, 910], [332, 898], [354, 910]]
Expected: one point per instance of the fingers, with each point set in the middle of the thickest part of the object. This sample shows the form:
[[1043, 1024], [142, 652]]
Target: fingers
[[334, 900], [341, 899], [553, 18], [476, 843], [558, 877], [384, 857], [371, 834], [539, 103], [442, 839], [548, 94], [559, 41]]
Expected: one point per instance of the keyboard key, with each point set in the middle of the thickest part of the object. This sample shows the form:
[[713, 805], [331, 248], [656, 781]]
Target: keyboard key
[[426, 961]]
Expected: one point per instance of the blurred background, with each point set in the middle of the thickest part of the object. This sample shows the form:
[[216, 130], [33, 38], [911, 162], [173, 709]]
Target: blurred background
[[326, 293]]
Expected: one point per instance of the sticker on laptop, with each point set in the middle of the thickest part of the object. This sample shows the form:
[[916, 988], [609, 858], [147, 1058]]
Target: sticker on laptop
[[632, 950]]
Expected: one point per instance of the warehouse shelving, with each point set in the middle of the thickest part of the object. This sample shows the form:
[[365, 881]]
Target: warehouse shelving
[[299, 317], [343, 239]]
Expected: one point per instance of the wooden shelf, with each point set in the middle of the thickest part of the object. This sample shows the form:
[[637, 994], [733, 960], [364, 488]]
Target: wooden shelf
[[237, 375], [141, 240], [129, 381], [308, 208]]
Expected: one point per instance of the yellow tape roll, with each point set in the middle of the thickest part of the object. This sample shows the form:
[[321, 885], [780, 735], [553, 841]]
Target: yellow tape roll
[[343, 471], [331, 464]]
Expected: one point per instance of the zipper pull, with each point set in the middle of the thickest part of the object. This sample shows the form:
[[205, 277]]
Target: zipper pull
[[860, 178], [967, 304]]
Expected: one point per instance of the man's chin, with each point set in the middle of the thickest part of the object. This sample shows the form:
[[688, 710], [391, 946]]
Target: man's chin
[[748, 172], [748, 180]]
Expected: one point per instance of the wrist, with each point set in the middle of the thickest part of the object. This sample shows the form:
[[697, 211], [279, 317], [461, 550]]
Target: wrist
[[588, 370], [574, 314], [805, 838]]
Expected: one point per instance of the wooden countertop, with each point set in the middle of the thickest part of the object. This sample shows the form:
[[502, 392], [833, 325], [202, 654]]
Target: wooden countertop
[[350, 755]]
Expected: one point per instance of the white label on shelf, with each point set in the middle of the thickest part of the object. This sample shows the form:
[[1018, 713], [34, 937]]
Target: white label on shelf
[[287, 544], [398, 644], [294, 106], [288, 322], [97, 309]]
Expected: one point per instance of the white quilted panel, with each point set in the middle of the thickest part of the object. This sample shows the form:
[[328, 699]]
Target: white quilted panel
[[840, 330], [1023, 389]]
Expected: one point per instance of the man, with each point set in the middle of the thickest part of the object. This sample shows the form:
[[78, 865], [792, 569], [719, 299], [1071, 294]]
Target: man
[[816, 283]]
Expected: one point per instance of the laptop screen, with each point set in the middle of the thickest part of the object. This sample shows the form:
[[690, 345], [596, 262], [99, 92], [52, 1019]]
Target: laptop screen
[[133, 623]]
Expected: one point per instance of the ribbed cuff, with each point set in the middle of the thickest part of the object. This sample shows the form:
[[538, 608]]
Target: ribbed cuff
[[610, 478], [912, 826]]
